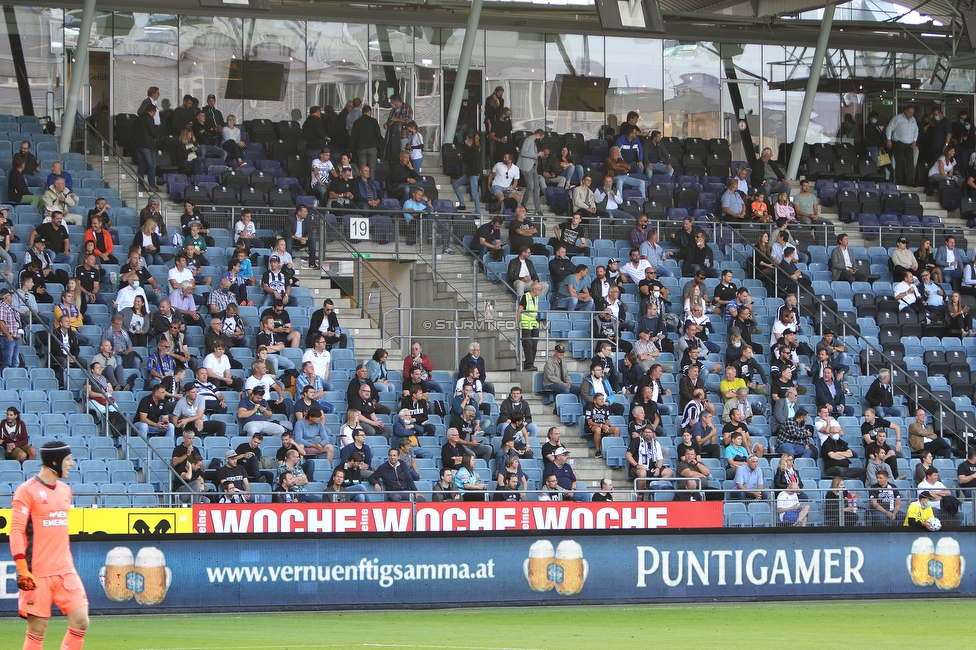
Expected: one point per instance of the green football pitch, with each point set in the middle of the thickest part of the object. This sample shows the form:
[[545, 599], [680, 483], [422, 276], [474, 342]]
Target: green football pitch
[[890, 625]]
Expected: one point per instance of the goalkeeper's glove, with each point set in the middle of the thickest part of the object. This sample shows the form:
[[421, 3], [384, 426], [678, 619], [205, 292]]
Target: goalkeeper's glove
[[25, 580]]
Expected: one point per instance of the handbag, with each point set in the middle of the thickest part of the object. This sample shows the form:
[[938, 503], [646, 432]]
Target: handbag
[[883, 159]]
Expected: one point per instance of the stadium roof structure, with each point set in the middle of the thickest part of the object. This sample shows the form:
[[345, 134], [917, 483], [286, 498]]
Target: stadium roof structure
[[859, 24]]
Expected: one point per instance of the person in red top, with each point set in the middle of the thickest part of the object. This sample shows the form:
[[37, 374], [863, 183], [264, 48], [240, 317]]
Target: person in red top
[[13, 438], [421, 360], [39, 544], [104, 246]]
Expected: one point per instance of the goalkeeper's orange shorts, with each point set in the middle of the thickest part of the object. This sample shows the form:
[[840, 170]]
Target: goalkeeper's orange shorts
[[64, 590]]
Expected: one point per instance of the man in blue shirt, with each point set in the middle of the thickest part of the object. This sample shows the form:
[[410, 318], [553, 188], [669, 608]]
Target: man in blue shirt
[[733, 206], [573, 293]]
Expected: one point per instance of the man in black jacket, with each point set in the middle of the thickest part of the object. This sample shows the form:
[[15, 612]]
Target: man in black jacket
[[182, 116], [521, 273], [314, 131], [366, 138], [325, 322], [63, 343], [403, 177], [298, 234], [767, 176], [144, 137]]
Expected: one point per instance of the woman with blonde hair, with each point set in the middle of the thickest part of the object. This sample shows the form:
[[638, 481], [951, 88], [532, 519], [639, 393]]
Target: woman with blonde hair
[[148, 239]]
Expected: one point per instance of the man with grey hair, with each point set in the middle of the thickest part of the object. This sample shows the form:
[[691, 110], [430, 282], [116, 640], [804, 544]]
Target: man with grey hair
[[528, 160], [468, 427], [767, 177], [881, 398], [749, 480], [474, 358], [181, 300]]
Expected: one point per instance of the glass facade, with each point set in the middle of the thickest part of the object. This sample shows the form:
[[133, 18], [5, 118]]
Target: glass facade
[[276, 69]]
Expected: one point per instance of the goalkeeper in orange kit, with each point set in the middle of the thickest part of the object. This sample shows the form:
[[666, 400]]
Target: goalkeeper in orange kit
[[39, 544]]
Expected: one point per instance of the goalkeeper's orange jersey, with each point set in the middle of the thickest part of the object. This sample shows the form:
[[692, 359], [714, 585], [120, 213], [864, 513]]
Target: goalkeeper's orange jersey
[[39, 527]]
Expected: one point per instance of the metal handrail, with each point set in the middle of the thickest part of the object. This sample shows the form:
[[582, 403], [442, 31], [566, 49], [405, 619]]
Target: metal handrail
[[109, 428], [891, 363], [106, 150]]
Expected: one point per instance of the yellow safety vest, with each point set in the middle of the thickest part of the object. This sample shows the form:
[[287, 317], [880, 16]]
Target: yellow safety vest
[[530, 313]]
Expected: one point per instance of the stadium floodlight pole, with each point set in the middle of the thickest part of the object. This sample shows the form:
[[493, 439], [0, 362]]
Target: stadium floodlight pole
[[461, 78], [77, 70], [813, 82]]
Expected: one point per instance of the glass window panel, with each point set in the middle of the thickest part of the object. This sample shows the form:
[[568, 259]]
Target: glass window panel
[[451, 40], [146, 49], [391, 44], [691, 90], [636, 81], [42, 36], [516, 62], [208, 46], [577, 56], [277, 43], [337, 68]]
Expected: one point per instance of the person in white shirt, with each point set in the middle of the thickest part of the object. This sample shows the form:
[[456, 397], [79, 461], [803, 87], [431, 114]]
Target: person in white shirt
[[633, 270], [503, 181], [826, 425], [322, 174], [907, 294], [127, 294], [944, 168], [319, 357], [245, 228], [180, 273]]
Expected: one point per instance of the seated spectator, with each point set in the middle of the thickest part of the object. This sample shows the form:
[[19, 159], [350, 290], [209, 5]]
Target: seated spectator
[[396, 479], [310, 430], [284, 404], [417, 358], [104, 246], [468, 428], [363, 402], [922, 436], [190, 414], [830, 393], [790, 275], [836, 455], [134, 267], [789, 507], [276, 284], [698, 257], [406, 428], [474, 358], [182, 300], [645, 460], [58, 198], [366, 190], [152, 414], [749, 481], [418, 408], [255, 414], [325, 321], [14, 439], [357, 382], [573, 294], [126, 296], [880, 396]]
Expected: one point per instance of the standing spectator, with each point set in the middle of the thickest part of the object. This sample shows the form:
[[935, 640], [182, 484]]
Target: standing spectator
[[314, 130], [528, 161], [470, 172], [144, 140], [366, 138], [901, 135]]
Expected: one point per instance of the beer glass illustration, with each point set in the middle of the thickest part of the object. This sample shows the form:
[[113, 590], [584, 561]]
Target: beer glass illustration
[[570, 569], [151, 576], [536, 567], [115, 576], [923, 550], [949, 563]]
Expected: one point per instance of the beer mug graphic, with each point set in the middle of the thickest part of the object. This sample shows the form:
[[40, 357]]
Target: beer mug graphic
[[116, 576], [537, 566], [570, 570], [923, 551], [948, 564], [151, 577]]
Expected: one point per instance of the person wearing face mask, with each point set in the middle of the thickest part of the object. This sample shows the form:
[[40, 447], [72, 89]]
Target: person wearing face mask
[[837, 456], [127, 295]]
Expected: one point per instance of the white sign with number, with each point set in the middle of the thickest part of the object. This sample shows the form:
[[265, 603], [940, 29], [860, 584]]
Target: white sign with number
[[359, 228]]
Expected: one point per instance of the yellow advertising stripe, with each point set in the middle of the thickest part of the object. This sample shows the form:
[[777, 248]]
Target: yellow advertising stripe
[[121, 521]]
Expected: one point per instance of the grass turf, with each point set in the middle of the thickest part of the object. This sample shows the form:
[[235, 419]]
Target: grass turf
[[847, 624]]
